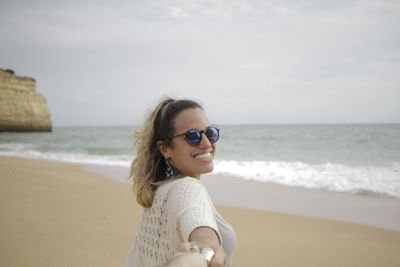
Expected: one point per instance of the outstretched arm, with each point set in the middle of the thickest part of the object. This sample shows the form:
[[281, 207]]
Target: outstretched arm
[[195, 216]]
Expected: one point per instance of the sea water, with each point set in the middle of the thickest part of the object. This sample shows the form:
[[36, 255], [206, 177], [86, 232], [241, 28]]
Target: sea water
[[353, 158]]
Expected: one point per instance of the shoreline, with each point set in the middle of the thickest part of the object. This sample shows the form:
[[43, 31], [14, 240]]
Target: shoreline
[[377, 211], [57, 214]]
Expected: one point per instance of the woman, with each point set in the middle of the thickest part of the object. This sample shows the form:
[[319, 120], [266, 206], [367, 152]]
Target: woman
[[176, 145]]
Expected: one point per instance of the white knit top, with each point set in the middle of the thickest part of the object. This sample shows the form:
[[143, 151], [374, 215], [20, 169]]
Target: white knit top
[[179, 207]]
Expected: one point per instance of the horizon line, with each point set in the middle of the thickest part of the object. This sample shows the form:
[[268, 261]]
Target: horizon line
[[250, 124]]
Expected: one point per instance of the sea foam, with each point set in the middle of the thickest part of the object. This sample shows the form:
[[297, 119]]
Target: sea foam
[[362, 179], [77, 156], [328, 176]]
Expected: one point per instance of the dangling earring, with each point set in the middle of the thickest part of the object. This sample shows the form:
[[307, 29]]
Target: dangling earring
[[169, 171]]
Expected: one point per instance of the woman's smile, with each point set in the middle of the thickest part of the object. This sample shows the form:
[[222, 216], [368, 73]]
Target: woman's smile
[[204, 156]]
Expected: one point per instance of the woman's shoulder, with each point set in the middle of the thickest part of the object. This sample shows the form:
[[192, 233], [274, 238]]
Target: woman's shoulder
[[179, 184], [182, 186], [188, 188], [186, 182]]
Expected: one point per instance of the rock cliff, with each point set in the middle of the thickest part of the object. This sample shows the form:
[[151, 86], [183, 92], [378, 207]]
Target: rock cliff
[[22, 109]]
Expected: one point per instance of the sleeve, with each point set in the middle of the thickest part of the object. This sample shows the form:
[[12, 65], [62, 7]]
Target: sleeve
[[194, 208]]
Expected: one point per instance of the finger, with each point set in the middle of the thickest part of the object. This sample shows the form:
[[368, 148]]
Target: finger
[[184, 247], [218, 260], [194, 248]]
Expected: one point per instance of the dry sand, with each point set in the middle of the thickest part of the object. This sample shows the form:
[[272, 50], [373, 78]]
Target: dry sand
[[55, 214]]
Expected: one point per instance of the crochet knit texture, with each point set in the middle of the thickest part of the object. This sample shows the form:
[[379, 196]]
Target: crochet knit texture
[[179, 207]]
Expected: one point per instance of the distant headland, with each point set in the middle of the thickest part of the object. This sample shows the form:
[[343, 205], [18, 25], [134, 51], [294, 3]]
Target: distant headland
[[22, 109]]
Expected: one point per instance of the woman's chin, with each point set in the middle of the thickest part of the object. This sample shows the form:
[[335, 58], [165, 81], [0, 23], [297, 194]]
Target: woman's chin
[[201, 171], [208, 169]]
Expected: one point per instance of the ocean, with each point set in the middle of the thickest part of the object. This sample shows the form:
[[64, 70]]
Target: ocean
[[352, 158]]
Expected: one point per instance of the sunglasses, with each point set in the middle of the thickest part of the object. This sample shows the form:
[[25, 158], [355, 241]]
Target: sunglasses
[[193, 137]]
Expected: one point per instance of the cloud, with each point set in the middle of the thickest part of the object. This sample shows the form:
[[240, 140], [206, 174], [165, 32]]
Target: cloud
[[298, 60]]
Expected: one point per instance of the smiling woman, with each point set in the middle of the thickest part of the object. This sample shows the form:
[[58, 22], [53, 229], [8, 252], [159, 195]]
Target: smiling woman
[[175, 147]]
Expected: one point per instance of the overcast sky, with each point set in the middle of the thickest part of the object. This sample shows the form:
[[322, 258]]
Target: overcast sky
[[255, 61]]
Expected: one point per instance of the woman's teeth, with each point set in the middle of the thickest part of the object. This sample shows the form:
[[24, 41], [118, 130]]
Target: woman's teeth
[[203, 156]]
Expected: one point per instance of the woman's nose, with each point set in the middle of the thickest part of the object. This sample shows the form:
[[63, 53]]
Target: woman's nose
[[204, 141]]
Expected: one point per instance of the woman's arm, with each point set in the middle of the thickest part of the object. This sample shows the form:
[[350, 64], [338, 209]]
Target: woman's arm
[[192, 205], [205, 237]]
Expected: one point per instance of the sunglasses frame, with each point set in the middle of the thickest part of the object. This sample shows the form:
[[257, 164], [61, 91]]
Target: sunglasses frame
[[201, 135]]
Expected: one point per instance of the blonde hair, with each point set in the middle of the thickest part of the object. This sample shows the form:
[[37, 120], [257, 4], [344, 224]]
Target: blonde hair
[[148, 169]]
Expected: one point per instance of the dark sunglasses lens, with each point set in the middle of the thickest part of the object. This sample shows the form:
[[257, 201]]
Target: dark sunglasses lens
[[193, 137], [212, 134]]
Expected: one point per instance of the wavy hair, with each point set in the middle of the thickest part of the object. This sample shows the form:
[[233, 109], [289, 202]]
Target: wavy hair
[[148, 169]]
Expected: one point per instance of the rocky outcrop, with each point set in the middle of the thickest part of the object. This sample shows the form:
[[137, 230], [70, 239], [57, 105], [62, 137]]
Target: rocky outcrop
[[22, 109]]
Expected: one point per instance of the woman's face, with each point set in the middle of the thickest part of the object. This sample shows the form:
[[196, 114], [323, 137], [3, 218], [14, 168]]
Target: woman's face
[[191, 160]]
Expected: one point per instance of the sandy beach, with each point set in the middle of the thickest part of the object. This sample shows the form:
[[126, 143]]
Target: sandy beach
[[56, 214]]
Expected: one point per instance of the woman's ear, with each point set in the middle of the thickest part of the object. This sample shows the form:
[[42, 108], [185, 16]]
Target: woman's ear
[[163, 149]]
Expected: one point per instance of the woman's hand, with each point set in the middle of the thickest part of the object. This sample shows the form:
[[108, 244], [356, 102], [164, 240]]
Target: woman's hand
[[205, 237], [188, 256]]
